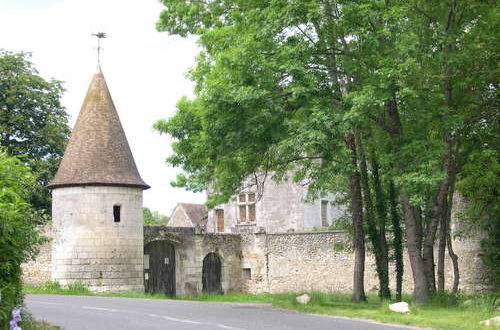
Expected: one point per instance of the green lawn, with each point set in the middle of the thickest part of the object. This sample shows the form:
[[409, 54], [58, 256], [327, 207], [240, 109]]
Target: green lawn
[[439, 314]]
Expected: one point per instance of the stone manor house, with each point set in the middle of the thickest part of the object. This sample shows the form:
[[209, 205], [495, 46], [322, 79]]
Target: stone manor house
[[250, 244], [277, 208]]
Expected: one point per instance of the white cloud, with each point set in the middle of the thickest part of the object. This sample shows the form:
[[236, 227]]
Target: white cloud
[[144, 69]]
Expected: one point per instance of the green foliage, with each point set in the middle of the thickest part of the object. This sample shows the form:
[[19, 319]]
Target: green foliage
[[280, 84], [51, 286], [154, 217], [33, 123], [19, 237], [259, 108]]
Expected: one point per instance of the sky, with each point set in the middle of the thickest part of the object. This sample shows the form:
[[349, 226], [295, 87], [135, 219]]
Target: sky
[[145, 71]]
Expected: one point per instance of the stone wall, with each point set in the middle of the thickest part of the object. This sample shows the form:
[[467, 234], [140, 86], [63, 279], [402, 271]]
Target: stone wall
[[89, 246], [190, 250], [295, 262], [324, 261], [40, 270], [287, 262]]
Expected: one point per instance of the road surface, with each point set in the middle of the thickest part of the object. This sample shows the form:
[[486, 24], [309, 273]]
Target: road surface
[[106, 313]]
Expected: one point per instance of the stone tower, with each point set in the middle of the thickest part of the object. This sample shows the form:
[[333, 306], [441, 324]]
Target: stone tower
[[97, 202]]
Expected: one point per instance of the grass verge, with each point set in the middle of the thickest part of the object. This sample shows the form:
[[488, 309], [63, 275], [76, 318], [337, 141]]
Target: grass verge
[[443, 312]]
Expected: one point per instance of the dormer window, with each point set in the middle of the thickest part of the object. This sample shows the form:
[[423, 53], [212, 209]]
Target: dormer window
[[117, 212]]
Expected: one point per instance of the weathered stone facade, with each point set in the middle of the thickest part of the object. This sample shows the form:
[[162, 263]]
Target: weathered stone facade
[[40, 270], [323, 261], [286, 262], [190, 250], [89, 247], [280, 207]]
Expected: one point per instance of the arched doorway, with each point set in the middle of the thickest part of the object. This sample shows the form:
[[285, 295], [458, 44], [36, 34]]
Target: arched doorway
[[211, 277], [160, 275]]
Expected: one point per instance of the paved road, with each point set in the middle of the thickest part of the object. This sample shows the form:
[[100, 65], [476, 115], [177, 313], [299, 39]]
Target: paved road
[[105, 313]]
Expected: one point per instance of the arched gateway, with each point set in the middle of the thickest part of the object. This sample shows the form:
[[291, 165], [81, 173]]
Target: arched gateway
[[211, 277]]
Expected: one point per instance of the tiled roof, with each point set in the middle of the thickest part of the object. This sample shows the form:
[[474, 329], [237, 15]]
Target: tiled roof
[[197, 213], [98, 152]]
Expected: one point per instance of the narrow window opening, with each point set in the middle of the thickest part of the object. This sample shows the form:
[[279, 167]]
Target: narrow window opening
[[220, 220], [116, 212], [324, 213], [247, 274]]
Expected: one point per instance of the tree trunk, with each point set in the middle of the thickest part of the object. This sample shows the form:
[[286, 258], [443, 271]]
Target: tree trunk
[[443, 234], [381, 221], [358, 294], [420, 288], [417, 213], [449, 158], [428, 254], [454, 260], [325, 41], [398, 240], [439, 214], [445, 239], [420, 292], [453, 256]]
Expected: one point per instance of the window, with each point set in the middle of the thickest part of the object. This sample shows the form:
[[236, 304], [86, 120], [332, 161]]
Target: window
[[246, 207], [324, 213], [219, 214], [247, 274], [116, 212]]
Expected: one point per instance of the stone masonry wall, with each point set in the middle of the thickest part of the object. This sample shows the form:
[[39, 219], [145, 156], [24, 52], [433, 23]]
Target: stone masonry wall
[[288, 262], [89, 246], [190, 250], [323, 261], [40, 270]]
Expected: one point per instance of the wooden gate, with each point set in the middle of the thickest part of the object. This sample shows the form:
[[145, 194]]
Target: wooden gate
[[211, 278], [160, 277]]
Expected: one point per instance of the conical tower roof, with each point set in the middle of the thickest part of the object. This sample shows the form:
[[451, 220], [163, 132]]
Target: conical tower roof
[[98, 152]]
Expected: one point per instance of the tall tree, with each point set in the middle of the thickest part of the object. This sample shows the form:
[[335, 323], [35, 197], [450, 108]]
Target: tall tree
[[281, 85], [33, 123], [271, 98]]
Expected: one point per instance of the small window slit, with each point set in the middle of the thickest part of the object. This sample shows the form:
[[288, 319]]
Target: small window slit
[[117, 213]]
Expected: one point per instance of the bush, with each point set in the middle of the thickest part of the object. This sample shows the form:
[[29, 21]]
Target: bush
[[19, 238], [77, 288]]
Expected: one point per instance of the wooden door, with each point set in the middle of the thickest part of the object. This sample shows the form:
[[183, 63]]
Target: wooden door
[[211, 277], [160, 277]]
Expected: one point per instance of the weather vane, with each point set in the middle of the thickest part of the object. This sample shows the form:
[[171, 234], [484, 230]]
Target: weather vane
[[99, 36]]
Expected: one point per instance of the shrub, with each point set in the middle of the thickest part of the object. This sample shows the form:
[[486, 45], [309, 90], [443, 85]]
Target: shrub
[[19, 238]]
